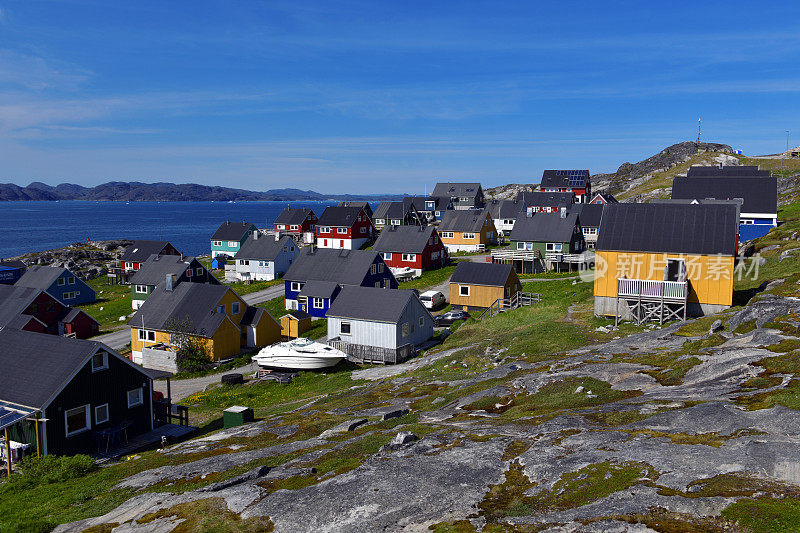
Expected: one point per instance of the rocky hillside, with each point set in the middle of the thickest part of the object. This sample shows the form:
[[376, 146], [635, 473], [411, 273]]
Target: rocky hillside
[[86, 259]]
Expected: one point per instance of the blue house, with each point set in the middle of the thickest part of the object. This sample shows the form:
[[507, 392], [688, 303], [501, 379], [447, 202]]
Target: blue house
[[11, 271], [60, 283], [317, 276], [230, 236]]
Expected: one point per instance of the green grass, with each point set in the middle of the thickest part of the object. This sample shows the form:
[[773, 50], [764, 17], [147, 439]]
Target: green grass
[[429, 278], [241, 288], [276, 307], [115, 301], [765, 514]]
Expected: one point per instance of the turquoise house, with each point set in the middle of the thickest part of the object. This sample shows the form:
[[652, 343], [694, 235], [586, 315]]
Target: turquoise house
[[229, 237]]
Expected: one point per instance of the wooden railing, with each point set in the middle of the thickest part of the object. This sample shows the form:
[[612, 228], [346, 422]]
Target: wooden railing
[[360, 353], [558, 257], [516, 255], [652, 289], [519, 299]]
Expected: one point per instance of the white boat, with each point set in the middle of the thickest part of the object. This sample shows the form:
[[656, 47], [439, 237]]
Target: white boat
[[299, 354]]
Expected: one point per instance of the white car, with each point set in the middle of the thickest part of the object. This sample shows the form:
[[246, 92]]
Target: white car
[[432, 299]]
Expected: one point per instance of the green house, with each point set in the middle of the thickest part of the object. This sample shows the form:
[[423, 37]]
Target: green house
[[229, 237], [544, 241], [158, 268]]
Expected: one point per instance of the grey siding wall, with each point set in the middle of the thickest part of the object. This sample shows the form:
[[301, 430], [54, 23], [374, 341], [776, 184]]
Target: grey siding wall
[[412, 314], [364, 332]]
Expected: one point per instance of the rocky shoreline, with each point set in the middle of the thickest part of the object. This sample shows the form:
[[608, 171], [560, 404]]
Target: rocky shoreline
[[88, 260]]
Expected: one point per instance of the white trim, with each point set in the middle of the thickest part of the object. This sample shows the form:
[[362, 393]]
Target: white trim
[[67, 432], [97, 421], [141, 397], [104, 366]]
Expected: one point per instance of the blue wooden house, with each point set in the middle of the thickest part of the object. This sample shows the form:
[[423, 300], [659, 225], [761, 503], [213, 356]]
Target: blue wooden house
[[229, 237], [11, 271], [60, 283], [316, 277]]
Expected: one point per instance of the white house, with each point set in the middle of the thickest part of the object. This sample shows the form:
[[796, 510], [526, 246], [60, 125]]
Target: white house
[[263, 257]]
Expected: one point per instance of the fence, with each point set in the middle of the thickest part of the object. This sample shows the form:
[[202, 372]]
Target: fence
[[360, 353]]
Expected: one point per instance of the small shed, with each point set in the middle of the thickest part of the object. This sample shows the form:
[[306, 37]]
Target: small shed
[[219, 262], [236, 416], [295, 323]]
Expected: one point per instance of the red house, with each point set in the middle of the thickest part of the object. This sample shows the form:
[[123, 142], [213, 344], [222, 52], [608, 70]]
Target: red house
[[347, 227], [575, 181], [416, 247], [296, 221], [34, 310], [138, 253]]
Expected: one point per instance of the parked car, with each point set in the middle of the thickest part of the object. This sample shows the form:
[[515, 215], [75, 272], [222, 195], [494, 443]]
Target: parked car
[[432, 299], [450, 317]]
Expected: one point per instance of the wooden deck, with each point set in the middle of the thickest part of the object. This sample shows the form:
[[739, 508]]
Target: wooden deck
[[173, 432]]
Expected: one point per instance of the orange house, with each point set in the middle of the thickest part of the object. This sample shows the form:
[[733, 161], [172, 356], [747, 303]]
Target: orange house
[[467, 231]]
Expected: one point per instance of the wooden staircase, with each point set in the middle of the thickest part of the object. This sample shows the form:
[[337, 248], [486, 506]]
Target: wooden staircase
[[519, 299]]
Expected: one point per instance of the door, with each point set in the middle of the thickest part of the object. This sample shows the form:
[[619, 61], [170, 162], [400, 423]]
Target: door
[[251, 336], [675, 270]]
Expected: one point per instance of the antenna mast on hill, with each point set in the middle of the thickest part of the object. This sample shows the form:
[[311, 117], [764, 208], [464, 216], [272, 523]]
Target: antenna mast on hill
[[698, 131]]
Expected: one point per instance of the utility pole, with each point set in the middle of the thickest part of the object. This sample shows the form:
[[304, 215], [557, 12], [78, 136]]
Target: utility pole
[[698, 133]]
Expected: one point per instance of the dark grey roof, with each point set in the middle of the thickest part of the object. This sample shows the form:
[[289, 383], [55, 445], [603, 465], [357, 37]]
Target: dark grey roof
[[728, 170], [293, 216], [590, 214], [252, 316], [403, 239], [491, 274], [339, 216], [565, 178], [139, 251], [264, 248], [390, 210], [607, 196], [544, 199], [469, 220], [14, 300], [345, 267], [419, 202], [504, 208], [155, 269], [371, 304], [319, 289], [35, 366], [760, 193], [450, 190], [72, 314], [196, 302], [299, 314], [544, 227], [669, 228], [41, 277], [232, 231], [13, 263], [350, 203]]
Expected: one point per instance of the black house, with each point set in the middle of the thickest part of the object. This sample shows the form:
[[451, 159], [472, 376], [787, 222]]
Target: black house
[[75, 388]]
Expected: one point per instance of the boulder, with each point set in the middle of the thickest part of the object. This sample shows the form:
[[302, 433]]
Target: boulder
[[404, 437], [232, 379], [716, 326], [397, 413]]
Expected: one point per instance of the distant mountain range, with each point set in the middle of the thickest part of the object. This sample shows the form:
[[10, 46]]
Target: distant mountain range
[[134, 191]]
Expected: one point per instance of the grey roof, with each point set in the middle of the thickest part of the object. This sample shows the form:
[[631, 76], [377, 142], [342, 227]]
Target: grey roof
[[727, 170], [345, 267], [362, 204], [419, 202], [293, 216], [760, 193], [403, 239], [607, 196], [14, 300], [41, 277], [390, 210], [565, 178], [491, 274], [13, 263], [298, 314], [155, 269], [319, 289], [196, 302], [339, 216], [469, 220], [371, 304], [545, 227], [450, 190], [590, 214], [504, 208], [544, 199], [252, 316], [139, 251], [36, 365], [264, 248], [669, 228], [72, 314], [232, 231]]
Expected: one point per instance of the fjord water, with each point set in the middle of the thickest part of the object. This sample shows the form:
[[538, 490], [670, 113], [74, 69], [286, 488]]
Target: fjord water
[[37, 226]]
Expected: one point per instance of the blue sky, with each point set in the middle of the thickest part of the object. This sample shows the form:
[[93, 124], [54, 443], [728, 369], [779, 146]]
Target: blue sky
[[382, 96]]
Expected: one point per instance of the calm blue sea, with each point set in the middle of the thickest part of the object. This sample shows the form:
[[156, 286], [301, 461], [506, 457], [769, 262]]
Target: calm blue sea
[[36, 226]]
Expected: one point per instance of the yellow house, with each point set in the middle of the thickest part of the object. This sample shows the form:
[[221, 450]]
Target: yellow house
[[660, 261], [475, 286], [213, 313], [468, 230]]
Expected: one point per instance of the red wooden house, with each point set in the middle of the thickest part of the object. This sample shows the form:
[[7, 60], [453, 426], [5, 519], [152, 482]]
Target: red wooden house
[[575, 181], [34, 310], [295, 221], [416, 247], [138, 253], [347, 227]]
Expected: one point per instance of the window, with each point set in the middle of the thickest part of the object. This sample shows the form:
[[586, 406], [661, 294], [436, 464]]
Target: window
[[141, 289], [343, 231], [198, 271], [71, 280], [99, 361], [235, 308], [373, 269], [377, 284], [221, 309], [217, 243], [434, 256], [429, 205], [380, 221], [61, 281], [344, 328], [409, 257], [380, 268], [295, 227], [387, 256], [147, 335], [68, 295], [396, 221], [363, 229], [438, 213], [319, 303], [77, 420], [324, 229], [244, 262], [405, 329], [447, 235], [296, 286], [233, 244], [468, 235], [135, 397], [553, 247], [463, 290], [421, 321], [101, 414]]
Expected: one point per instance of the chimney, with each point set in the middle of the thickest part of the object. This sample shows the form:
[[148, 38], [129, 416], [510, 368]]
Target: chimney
[[169, 282], [277, 235], [255, 235], [563, 212]]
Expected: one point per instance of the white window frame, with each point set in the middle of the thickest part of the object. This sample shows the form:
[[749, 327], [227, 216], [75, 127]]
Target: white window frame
[[448, 235], [349, 331], [88, 426], [244, 262], [421, 321], [409, 257], [318, 303], [198, 271], [380, 268], [233, 244], [324, 229], [145, 334], [71, 280], [405, 329], [387, 256], [373, 269], [380, 221], [461, 291], [466, 235], [295, 227], [61, 282], [341, 231], [396, 222], [296, 286], [104, 366], [554, 247], [221, 309], [138, 402], [235, 308], [141, 289], [217, 243], [97, 420]]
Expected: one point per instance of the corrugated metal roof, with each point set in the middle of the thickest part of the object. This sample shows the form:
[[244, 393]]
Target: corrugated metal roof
[[155, 269], [544, 199]]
